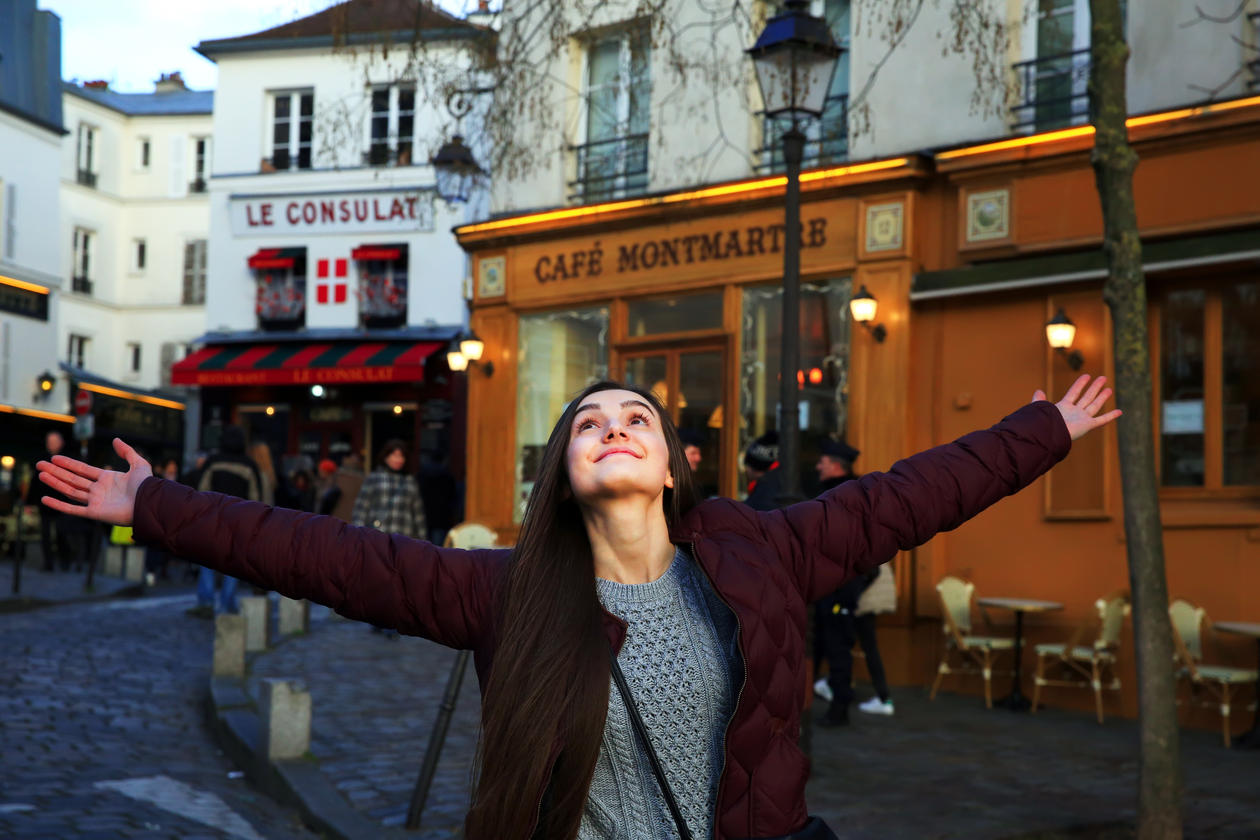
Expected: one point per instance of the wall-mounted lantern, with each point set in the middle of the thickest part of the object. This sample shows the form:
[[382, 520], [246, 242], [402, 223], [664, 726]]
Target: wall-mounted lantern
[[470, 349], [1061, 332], [863, 307]]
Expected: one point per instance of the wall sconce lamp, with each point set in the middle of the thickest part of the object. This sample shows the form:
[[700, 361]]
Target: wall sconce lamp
[[863, 306], [1060, 332], [46, 382], [470, 349]]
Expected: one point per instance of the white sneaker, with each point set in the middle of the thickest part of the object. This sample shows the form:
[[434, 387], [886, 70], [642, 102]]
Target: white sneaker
[[823, 690], [875, 706]]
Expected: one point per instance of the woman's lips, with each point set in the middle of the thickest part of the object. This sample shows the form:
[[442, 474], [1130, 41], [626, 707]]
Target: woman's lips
[[630, 452]]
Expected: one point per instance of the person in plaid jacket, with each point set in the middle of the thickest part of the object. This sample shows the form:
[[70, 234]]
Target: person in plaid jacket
[[389, 499]]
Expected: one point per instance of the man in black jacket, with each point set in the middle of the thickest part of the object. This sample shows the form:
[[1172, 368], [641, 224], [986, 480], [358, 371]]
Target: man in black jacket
[[231, 472], [761, 463], [54, 536]]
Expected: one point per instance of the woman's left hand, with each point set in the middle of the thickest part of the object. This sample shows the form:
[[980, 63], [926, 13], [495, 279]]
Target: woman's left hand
[[1080, 405]]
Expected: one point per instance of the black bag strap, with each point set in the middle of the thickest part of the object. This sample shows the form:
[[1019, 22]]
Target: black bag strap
[[637, 722]]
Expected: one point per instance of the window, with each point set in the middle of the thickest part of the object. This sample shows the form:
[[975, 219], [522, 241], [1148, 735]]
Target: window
[[143, 152], [81, 270], [559, 354], [85, 154], [76, 352], [10, 219], [280, 302], [138, 255], [614, 159], [1052, 81], [201, 151], [292, 119], [824, 372], [391, 128], [133, 357], [382, 289], [194, 272], [826, 138], [1208, 380]]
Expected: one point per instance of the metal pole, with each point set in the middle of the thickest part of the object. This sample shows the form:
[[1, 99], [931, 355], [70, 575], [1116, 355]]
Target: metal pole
[[790, 353], [436, 739], [19, 551]]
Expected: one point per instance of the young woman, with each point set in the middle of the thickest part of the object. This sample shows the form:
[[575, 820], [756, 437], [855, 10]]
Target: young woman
[[389, 499], [703, 606]]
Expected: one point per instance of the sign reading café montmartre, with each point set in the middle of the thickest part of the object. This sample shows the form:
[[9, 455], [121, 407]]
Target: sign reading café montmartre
[[381, 211]]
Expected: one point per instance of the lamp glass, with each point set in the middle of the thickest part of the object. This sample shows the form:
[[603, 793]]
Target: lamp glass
[[794, 79], [1060, 335], [456, 360], [472, 348], [863, 309]]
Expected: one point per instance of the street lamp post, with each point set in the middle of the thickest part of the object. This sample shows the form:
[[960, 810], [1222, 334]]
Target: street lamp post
[[795, 58]]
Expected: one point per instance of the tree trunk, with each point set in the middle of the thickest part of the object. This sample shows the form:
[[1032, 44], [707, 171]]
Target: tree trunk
[[1159, 773]]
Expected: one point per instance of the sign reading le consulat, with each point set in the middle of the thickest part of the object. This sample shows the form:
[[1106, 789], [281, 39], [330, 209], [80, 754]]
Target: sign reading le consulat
[[382, 211]]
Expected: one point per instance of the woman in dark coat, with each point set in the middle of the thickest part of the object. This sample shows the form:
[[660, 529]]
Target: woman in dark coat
[[701, 605]]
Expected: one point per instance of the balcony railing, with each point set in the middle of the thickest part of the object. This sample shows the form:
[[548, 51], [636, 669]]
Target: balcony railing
[[1254, 64], [197, 186], [382, 154], [826, 139], [1053, 91], [87, 178], [83, 285], [611, 168]]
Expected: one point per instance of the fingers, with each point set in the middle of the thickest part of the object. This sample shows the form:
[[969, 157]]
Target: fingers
[[63, 487], [1095, 405], [86, 470], [1074, 393], [1107, 418], [1038, 395], [65, 476], [131, 456], [65, 507], [1091, 393]]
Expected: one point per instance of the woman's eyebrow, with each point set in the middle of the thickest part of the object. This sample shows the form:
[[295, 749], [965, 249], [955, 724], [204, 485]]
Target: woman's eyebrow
[[628, 403]]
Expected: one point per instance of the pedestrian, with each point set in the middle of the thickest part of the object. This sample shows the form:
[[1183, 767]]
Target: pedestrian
[[233, 473], [260, 453], [439, 493], [834, 467], [389, 501], [621, 594], [349, 479], [54, 536], [761, 465], [692, 442], [156, 561], [327, 493]]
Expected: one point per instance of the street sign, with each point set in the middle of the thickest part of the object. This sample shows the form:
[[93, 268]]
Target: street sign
[[84, 425], [82, 402]]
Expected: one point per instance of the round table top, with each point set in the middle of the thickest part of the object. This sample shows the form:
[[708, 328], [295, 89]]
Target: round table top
[[1244, 628], [1020, 604]]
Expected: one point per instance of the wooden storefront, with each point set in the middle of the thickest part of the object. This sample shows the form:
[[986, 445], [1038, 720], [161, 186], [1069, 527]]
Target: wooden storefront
[[969, 253]]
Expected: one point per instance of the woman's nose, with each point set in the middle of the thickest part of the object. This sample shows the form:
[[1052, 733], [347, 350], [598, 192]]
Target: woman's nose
[[615, 430]]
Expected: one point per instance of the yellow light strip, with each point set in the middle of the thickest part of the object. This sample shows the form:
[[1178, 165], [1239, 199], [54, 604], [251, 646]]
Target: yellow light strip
[[22, 284], [1088, 130], [35, 412], [130, 395], [675, 198]]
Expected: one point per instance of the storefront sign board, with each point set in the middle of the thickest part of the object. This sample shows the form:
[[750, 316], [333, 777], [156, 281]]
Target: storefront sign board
[[383, 211], [721, 247]]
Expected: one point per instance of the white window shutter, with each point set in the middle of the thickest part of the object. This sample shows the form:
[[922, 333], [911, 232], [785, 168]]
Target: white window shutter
[[179, 183], [10, 221]]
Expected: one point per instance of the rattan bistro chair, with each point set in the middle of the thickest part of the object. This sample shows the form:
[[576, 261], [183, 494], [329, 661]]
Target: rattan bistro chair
[[1218, 681], [1086, 665], [471, 535], [956, 596]]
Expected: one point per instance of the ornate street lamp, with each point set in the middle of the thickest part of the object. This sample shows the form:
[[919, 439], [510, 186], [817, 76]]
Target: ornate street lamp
[[455, 170], [795, 58]]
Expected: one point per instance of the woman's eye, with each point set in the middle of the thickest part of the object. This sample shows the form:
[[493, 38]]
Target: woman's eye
[[585, 424], [638, 418]]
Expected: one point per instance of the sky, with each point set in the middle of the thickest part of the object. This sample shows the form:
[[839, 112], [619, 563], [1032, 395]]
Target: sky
[[129, 43]]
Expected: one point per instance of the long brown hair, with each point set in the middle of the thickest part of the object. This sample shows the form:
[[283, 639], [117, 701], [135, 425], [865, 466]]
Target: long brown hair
[[548, 686]]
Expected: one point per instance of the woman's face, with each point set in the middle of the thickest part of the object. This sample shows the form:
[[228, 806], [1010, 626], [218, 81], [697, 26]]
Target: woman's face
[[395, 460], [617, 448]]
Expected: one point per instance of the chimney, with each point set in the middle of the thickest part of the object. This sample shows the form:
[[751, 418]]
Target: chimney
[[483, 7], [97, 84], [169, 83]]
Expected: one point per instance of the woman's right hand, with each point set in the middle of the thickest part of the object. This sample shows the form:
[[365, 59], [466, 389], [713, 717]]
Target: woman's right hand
[[104, 495]]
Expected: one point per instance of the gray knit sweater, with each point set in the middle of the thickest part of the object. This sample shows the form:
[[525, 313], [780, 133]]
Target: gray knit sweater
[[680, 661]]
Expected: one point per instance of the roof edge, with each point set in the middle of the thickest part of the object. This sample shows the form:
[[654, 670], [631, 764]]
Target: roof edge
[[38, 122], [229, 46]]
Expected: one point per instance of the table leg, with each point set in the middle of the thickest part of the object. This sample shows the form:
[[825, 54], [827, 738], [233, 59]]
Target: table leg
[[1251, 738], [1016, 701]]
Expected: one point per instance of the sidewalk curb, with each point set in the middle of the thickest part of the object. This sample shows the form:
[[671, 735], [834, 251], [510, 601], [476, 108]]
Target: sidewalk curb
[[296, 783], [25, 603]]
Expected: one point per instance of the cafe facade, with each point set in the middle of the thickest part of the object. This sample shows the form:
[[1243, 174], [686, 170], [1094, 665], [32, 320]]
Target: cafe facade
[[969, 253]]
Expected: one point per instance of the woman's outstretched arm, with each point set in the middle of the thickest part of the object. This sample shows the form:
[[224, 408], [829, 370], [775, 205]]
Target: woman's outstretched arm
[[860, 524], [392, 581]]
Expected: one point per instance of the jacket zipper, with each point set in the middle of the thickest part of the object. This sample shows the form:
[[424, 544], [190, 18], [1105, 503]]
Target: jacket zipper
[[739, 645]]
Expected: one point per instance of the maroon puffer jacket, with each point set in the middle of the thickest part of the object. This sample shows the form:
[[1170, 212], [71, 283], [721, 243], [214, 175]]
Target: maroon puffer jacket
[[766, 566]]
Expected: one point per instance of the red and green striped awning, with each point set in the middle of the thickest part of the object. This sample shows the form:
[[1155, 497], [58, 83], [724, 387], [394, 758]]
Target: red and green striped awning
[[342, 363]]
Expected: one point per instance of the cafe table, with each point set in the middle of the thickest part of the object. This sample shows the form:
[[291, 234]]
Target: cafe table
[[1250, 738], [1016, 701]]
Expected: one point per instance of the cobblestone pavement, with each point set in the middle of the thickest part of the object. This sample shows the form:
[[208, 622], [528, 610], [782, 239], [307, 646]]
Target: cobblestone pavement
[[373, 704], [102, 733], [37, 587], [943, 769]]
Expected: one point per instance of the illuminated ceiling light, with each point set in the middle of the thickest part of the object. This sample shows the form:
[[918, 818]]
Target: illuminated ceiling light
[[398, 409], [317, 391], [271, 411], [7, 462]]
